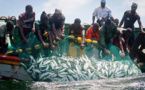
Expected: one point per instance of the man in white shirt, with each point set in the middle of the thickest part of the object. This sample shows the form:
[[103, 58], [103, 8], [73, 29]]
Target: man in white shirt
[[102, 12], [6, 28]]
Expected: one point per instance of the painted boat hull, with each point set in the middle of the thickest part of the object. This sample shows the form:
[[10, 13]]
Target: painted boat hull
[[10, 68]]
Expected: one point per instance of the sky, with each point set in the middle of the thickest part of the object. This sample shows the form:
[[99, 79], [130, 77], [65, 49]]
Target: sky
[[71, 9]]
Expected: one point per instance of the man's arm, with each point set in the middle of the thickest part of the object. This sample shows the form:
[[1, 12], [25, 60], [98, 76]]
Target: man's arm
[[63, 30], [102, 41], [62, 27], [21, 30], [12, 39], [93, 19], [33, 29], [102, 37], [83, 36], [126, 45], [2, 44], [54, 32], [94, 14], [50, 39], [123, 18], [120, 43], [70, 28], [40, 38], [110, 15], [115, 32], [140, 24]]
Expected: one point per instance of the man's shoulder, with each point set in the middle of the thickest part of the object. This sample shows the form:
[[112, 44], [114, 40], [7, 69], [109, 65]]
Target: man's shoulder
[[137, 14], [90, 29], [99, 7], [2, 24], [63, 17], [126, 12], [22, 15], [107, 8]]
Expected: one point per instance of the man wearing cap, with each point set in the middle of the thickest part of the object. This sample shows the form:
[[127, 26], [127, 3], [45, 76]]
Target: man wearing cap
[[129, 18], [57, 24], [107, 33], [101, 12]]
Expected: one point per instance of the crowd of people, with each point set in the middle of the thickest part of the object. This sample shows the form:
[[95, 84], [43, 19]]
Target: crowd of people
[[106, 29]]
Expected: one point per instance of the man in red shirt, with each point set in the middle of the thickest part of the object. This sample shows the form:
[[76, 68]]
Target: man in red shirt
[[93, 32], [26, 22]]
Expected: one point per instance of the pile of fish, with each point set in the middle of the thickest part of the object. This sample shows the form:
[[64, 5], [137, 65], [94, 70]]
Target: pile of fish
[[78, 69]]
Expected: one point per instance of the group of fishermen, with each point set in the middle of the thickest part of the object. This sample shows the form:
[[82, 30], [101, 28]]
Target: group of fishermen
[[106, 30]]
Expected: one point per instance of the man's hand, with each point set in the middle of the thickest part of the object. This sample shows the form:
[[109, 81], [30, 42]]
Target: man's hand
[[106, 52], [52, 47], [127, 50], [122, 55], [33, 30], [82, 45], [25, 40], [57, 39], [143, 32], [62, 36], [44, 45]]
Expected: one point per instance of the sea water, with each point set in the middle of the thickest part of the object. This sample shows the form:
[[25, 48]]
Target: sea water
[[127, 83]]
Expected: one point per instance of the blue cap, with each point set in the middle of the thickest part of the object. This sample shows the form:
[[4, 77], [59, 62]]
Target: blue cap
[[103, 1]]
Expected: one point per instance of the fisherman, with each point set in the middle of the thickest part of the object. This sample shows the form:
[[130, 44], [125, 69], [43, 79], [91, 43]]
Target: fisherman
[[102, 12], [43, 27], [93, 32], [6, 28], [122, 39], [77, 30], [107, 33], [140, 40], [26, 23], [129, 18], [57, 24]]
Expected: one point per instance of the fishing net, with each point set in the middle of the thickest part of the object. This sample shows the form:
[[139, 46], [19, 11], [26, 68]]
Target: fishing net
[[70, 63]]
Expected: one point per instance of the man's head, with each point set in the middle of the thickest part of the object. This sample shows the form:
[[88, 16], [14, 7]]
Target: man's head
[[127, 32], [58, 13], [108, 24], [44, 18], [103, 2], [95, 27], [116, 21], [77, 21], [10, 26], [29, 9], [133, 7]]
